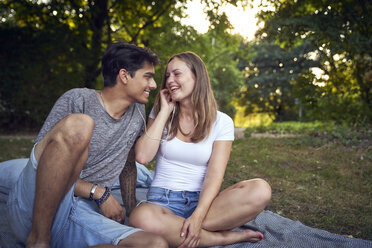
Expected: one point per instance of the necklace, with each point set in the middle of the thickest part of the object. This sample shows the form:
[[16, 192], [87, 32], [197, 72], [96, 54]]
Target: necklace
[[103, 101]]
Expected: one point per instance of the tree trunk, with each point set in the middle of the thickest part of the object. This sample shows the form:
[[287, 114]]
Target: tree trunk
[[98, 14], [128, 180]]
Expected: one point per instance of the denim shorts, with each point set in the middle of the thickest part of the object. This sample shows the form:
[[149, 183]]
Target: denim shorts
[[182, 203], [77, 223]]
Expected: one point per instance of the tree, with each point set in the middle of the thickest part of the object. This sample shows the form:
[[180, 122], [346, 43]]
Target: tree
[[221, 60], [271, 78], [59, 44], [94, 23], [37, 67], [339, 33], [218, 50]]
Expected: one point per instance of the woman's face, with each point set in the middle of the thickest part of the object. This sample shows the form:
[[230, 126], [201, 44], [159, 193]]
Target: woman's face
[[180, 80]]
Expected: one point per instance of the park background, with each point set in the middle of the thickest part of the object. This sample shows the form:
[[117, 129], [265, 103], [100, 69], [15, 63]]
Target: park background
[[303, 82]]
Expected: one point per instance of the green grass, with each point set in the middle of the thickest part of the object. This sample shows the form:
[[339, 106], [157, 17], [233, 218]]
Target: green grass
[[292, 127], [15, 148], [327, 187], [322, 176]]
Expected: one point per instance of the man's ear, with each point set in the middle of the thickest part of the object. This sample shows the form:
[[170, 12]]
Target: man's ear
[[124, 75]]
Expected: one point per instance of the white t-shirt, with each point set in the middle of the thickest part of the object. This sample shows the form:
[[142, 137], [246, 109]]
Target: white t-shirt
[[183, 165]]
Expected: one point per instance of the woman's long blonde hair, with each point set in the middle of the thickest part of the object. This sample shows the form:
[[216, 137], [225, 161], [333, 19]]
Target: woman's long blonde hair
[[204, 105]]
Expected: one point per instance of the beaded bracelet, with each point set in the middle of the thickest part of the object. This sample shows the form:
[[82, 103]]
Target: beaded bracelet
[[104, 197], [92, 192]]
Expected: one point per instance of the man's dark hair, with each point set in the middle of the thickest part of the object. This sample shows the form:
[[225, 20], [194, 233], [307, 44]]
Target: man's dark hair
[[124, 56]]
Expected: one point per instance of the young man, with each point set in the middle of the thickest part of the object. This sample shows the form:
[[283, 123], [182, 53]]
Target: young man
[[62, 198]]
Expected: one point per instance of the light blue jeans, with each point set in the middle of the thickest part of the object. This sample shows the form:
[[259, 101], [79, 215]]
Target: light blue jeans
[[77, 223], [182, 203]]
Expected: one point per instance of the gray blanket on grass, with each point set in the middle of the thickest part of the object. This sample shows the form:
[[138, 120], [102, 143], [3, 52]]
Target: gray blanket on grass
[[278, 231]]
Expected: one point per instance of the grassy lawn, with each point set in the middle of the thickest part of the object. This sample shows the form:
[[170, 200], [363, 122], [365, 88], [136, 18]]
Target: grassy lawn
[[320, 176], [327, 187], [15, 148]]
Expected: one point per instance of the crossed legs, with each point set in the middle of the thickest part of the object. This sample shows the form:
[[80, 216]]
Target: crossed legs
[[232, 208]]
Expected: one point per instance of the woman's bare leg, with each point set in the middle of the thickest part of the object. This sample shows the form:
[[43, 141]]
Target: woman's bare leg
[[232, 208], [160, 220], [237, 205]]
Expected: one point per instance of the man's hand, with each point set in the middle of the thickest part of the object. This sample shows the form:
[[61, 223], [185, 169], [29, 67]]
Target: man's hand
[[112, 209]]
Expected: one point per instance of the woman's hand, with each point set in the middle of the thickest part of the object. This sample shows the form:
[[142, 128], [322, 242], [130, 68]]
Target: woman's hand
[[166, 101], [112, 209], [191, 229]]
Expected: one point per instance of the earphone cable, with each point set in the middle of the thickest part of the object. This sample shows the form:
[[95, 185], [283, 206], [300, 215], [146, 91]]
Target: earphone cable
[[170, 124]]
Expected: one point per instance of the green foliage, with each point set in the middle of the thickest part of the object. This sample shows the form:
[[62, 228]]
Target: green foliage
[[221, 61], [339, 34], [37, 67], [293, 127], [219, 51], [317, 133], [51, 46], [271, 78]]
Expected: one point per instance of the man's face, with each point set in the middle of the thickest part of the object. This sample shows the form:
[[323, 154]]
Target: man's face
[[140, 85]]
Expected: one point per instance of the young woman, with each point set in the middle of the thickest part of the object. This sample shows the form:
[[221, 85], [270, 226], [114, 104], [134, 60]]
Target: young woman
[[192, 141]]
